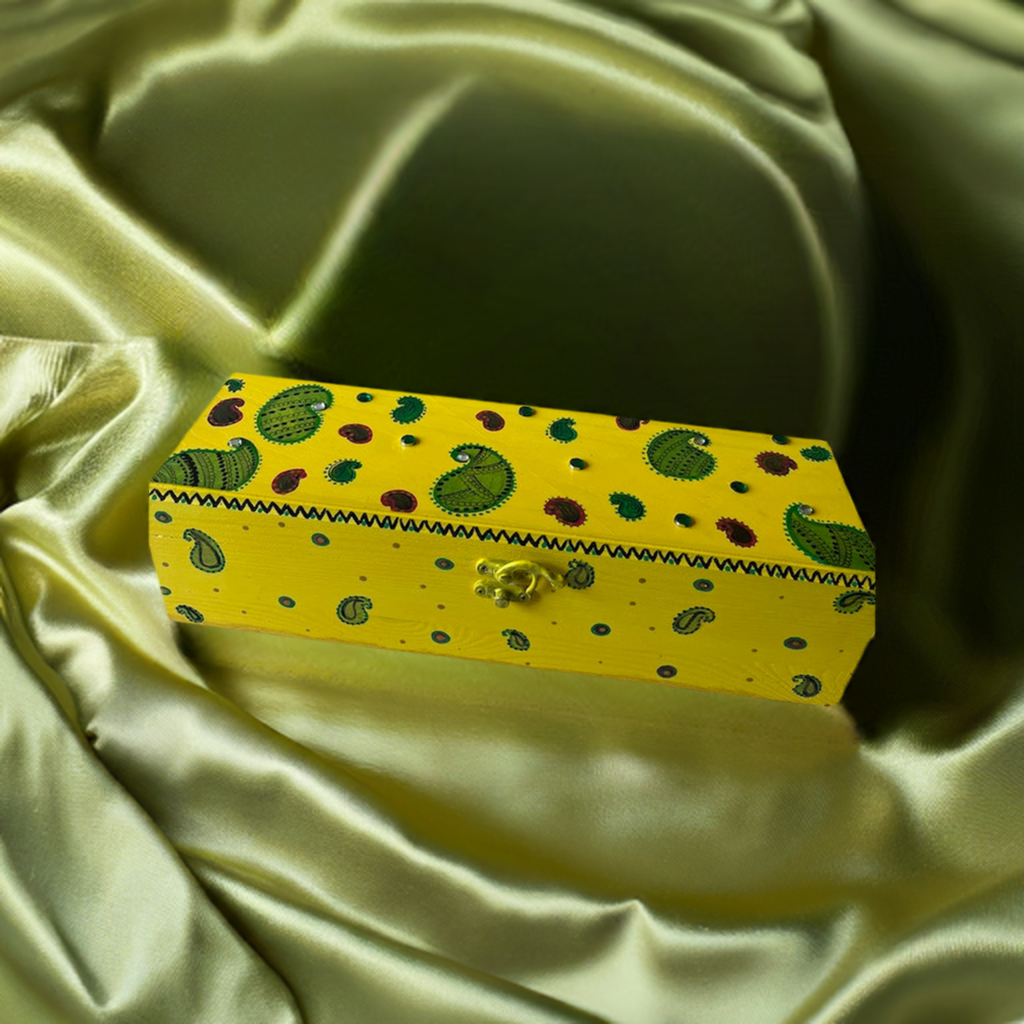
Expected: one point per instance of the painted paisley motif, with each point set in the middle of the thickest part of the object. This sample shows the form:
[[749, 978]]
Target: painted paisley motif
[[691, 619], [852, 601], [343, 471], [409, 409], [399, 501], [516, 640], [738, 533], [354, 610], [579, 575], [628, 506], [190, 613], [846, 547], [566, 511], [490, 419], [293, 415], [483, 482], [212, 468], [226, 412], [357, 433], [775, 463], [680, 454], [563, 430], [806, 686], [287, 480], [816, 453], [206, 553]]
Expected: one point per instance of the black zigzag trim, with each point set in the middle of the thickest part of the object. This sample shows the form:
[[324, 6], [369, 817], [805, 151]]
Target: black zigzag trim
[[465, 531]]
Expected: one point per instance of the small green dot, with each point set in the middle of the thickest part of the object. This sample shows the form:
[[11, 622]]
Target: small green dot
[[780, 439], [162, 517], [364, 396], [794, 643], [738, 487], [165, 591], [286, 602], [525, 410], [321, 540], [600, 629], [444, 563], [682, 519], [408, 439], [703, 585], [577, 464]]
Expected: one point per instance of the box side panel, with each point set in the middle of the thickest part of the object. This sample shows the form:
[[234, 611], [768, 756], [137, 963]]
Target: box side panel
[[650, 621]]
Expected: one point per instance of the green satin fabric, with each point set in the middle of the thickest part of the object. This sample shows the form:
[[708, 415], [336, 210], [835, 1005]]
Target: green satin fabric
[[783, 216]]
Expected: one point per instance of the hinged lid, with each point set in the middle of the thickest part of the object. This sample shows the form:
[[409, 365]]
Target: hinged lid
[[499, 470]]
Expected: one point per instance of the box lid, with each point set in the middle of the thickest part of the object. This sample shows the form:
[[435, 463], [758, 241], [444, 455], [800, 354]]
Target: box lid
[[501, 470]]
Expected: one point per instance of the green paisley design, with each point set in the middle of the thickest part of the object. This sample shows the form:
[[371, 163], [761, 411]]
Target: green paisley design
[[409, 410], [816, 453], [580, 575], [852, 601], [563, 430], [679, 454], [628, 506], [846, 547], [806, 686], [289, 417], [234, 385], [480, 484], [343, 471], [516, 640], [691, 619], [354, 610], [190, 613], [206, 554], [212, 468]]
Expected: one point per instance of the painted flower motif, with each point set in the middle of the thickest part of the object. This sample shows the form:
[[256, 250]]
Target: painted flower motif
[[775, 463]]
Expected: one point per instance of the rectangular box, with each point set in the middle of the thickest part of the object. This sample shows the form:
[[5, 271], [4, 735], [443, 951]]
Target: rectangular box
[[660, 552]]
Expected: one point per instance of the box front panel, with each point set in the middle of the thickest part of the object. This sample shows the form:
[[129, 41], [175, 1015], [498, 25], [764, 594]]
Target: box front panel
[[417, 590]]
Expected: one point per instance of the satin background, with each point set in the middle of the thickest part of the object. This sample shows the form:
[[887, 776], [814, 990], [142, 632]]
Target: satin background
[[773, 215]]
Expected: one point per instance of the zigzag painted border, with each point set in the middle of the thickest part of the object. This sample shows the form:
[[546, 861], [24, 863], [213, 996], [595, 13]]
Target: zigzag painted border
[[466, 532]]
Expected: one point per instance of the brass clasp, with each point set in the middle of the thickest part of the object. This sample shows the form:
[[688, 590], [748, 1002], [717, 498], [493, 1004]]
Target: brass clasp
[[512, 581]]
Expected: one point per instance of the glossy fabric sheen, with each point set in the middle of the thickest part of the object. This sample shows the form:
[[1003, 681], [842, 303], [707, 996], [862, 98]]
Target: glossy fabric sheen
[[614, 207]]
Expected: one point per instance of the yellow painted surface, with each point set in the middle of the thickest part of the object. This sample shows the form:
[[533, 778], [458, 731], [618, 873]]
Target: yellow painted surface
[[342, 561]]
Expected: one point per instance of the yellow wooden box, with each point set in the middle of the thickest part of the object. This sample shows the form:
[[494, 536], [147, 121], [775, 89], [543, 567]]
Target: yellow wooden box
[[639, 549]]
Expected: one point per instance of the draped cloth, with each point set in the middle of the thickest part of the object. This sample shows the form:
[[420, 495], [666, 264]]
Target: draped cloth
[[791, 216]]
